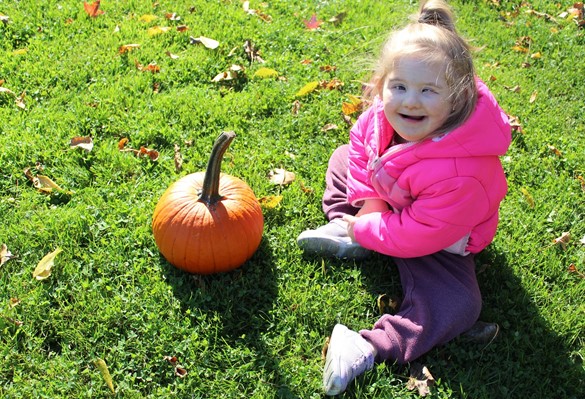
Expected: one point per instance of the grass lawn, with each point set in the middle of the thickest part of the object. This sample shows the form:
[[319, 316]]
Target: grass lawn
[[140, 71]]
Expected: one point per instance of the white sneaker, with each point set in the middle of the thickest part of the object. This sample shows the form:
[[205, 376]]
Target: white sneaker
[[348, 356], [331, 240]]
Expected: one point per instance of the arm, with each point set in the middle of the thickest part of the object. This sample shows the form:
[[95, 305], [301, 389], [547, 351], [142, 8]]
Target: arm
[[441, 215]]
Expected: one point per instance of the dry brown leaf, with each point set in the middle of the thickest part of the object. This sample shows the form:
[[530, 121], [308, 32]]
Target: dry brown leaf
[[171, 55], [5, 254], [281, 176], [329, 126], [563, 240], [126, 48], [420, 379], [43, 269], [533, 96], [178, 158], [85, 143]]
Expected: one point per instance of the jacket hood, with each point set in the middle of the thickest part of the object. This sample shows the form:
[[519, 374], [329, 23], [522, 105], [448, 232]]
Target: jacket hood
[[486, 133]]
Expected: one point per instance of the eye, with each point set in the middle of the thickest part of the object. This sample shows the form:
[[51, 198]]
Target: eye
[[429, 90], [399, 87]]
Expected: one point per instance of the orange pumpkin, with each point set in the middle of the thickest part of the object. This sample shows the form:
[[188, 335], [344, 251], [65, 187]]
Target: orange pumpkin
[[208, 222]]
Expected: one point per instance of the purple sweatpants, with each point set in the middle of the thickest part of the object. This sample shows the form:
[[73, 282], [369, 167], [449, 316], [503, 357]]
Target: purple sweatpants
[[441, 295]]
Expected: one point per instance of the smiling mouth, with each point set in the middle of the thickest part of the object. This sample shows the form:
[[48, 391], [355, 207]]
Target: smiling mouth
[[412, 117]]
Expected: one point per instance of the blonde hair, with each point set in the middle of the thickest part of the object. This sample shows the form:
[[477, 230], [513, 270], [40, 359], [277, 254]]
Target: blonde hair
[[433, 36]]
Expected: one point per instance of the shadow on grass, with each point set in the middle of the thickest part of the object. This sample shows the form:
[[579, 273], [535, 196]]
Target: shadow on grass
[[527, 359], [239, 304]]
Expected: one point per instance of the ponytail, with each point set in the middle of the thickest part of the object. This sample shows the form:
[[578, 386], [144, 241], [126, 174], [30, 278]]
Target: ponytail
[[437, 13]]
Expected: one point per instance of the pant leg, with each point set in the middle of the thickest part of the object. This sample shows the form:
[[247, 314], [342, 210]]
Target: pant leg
[[441, 301], [335, 203]]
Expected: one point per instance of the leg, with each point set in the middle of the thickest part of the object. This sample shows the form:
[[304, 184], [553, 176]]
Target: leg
[[441, 301], [331, 240], [335, 203]]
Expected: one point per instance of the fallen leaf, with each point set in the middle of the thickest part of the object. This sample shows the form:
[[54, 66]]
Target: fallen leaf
[[329, 126], [354, 105], [252, 52], [207, 42], [178, 158], [93, 9], [147, 18], [152, 154], [158, 30], [271, 201], [333, 84], [266, 73], [43, 269], [281, 176], [103, 368], [420, 379], [528, 197], [555, 151], [126, 48], [533, 97], [313, 23], [308, 88], [7, 91], [171, 16], [582, 240], [325, 348], [5, 254], [296, 107], [122, 143], [338, 19], [180, 371], [85, 143], [182, 28], [4, 19], [563, 239], [152, 67], [515, 89], [14, 302], [171, 55], [19, 101], [573, 269]]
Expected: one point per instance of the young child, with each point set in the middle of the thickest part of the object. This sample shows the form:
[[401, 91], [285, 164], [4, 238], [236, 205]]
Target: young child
[[421, 181]]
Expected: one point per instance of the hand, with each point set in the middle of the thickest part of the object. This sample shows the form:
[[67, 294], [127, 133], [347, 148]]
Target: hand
[[373, 205], [350, 223]]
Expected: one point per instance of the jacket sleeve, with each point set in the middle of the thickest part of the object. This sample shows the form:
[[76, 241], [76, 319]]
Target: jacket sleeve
[[358, 176], [440, 216]]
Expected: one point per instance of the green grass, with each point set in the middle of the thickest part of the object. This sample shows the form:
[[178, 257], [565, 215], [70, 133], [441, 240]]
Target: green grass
[[257, 332]]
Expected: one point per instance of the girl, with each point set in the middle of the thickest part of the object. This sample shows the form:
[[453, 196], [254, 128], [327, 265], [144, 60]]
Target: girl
[[421, 182]]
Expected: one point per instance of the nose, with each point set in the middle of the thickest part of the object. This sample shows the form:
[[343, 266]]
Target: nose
[[411, 99]]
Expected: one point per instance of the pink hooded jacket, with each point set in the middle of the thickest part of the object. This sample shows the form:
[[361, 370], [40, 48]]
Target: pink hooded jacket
[[444, 191]]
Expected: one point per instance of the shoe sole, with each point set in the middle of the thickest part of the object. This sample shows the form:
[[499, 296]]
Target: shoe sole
[[332, 248]]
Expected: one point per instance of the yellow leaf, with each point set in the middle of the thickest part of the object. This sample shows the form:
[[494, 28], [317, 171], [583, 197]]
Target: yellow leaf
[[43, 269], [308, 88], [528, 197], [271, 201], [158, 30], [20, 51], [147, 18], [45, 184], [266, 73], [103, 368]]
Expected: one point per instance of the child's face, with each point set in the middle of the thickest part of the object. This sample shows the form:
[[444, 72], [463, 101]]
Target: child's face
[[416, 97]]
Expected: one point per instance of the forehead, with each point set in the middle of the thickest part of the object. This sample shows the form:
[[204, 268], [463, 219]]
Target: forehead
[[418, 68]]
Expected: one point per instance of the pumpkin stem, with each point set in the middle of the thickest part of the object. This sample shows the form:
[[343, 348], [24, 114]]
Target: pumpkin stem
[[210, 189]]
